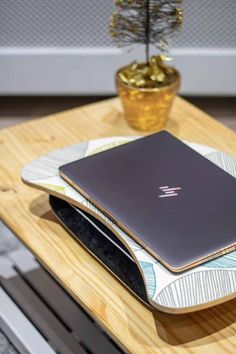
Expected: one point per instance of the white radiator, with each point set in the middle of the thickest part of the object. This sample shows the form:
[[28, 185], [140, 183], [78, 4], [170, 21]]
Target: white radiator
[[63, 47]]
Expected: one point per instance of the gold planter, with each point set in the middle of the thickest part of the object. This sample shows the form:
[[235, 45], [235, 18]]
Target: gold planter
[[147, 109]]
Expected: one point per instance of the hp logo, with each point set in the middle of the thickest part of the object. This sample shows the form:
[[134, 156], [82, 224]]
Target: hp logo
[[168, 192]]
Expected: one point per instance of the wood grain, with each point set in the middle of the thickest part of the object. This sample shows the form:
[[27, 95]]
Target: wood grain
[[26, 211]]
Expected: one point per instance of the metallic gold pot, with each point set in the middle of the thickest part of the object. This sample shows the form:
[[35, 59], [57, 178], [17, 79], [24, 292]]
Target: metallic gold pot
[[147, 109]]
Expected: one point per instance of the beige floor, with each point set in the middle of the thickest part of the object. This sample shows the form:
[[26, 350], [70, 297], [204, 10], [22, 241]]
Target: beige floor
[[14, 110]]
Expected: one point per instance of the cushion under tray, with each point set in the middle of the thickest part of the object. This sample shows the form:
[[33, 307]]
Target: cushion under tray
[[120, 264]]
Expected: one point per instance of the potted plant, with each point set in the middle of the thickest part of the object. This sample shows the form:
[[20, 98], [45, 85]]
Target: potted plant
[[147, 89]]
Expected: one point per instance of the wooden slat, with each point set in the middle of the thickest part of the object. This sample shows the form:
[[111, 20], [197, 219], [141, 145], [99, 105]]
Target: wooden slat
[[26, 211], [43, 319]]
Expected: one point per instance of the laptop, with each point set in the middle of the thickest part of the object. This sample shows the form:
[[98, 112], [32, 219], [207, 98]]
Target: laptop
[[174, 202]]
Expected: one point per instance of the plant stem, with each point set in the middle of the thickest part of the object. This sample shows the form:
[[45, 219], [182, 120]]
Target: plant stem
[[147, 30]]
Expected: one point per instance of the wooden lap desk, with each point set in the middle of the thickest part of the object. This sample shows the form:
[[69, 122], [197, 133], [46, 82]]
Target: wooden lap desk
[[26, 211]]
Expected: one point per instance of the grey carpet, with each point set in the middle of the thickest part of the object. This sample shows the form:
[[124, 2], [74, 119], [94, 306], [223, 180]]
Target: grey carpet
[[5, 346], [8, 242]]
